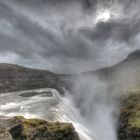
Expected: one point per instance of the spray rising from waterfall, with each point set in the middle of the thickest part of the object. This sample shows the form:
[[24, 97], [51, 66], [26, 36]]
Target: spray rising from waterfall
[[97, 106]]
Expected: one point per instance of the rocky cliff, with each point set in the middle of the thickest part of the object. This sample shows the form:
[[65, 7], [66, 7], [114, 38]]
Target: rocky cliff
[[17, 78]]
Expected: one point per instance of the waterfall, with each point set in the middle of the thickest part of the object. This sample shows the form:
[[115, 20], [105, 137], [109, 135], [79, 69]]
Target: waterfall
[[89, 107], [55, 108], [92, 116]]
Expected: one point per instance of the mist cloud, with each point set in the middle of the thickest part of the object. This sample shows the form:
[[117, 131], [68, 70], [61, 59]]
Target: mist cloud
[[65, 36]]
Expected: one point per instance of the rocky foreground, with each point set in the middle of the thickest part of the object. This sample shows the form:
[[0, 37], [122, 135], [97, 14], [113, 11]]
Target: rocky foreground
[[19, 128]]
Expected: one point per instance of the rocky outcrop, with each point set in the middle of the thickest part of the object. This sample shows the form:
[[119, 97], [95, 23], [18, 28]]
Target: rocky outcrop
[[129, 123], [19, 128]]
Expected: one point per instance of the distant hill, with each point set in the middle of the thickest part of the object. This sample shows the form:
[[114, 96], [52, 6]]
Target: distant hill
[[16, 78], [132, 61], [122, 76]]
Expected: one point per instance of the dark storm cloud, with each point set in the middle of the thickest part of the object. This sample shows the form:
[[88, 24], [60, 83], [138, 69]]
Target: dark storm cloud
[[62, 35], [30, 39], [49, 44], [112, 30], [91, 4], [124, 29]]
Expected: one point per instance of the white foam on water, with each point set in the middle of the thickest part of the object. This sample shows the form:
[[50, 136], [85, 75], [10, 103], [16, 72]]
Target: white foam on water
[[52, 109]]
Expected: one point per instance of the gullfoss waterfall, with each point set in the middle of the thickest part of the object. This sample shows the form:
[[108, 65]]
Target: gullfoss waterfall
[[88, 108]]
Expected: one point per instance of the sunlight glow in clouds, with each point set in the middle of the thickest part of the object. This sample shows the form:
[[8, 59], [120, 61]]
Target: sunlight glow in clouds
[[59, 35], [104, 16]]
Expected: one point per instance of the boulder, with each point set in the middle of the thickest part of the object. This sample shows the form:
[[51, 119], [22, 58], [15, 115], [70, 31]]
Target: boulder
[[19, 128]]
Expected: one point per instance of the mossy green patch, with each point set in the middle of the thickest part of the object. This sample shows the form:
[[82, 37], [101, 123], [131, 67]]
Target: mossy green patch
[[36, 129], [135, 120]]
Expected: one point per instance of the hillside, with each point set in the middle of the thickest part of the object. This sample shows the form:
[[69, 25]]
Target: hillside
[[129, 65], [16, 78], [122, 76]]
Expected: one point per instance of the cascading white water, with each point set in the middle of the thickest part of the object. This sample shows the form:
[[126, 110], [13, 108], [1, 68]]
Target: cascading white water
[[92, 118], [53, 109], [89, 108]]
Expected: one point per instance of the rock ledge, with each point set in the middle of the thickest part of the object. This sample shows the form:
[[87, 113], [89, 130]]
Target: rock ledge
[[19, 128]]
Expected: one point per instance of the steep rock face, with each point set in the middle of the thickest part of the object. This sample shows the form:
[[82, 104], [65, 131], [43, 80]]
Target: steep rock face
[[19, 128], [129, 123], [16, 78]]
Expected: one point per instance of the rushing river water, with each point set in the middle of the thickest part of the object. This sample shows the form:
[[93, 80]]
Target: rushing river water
[[56, 108], [42, 106]]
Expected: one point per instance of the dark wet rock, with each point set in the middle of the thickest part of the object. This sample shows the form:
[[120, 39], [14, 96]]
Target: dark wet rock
[[36, 129], [30, 94]]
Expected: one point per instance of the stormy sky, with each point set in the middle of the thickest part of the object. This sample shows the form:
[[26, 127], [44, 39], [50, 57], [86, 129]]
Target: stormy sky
[[68, 36]]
